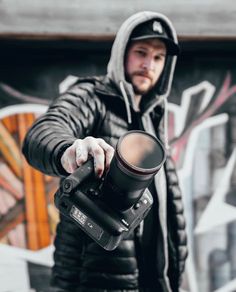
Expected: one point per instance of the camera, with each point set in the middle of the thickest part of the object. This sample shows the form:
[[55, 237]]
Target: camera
[[108, 209]]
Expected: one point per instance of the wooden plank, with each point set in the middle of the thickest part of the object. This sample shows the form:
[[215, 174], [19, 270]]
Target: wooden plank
[[92, 19], [4, 184], [14, 217], [9, 150], [31, 217], [10, 182], [40, 202], [38, 229], [41, 209], [10, 123]]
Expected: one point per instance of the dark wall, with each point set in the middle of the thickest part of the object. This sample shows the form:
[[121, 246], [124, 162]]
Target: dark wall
[[36, 68]]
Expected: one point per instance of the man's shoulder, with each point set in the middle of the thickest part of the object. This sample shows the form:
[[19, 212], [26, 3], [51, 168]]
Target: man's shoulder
[[71, 82]]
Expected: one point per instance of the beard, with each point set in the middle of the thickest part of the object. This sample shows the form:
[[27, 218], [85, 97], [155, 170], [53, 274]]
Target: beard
[[139, 87], [140, 91]]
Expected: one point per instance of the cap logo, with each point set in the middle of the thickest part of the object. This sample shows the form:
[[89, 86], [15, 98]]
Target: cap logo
[[157, 27]]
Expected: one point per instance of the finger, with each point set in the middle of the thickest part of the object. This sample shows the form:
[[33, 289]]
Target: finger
[[68, 160], [109, 155], [81, 153], [99, 158], [109, 152]]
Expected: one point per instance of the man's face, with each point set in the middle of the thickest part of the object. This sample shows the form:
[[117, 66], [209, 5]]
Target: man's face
[[144, 63]]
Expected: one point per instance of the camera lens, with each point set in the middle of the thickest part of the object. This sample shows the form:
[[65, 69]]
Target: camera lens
[[138, 157], [140, 152]]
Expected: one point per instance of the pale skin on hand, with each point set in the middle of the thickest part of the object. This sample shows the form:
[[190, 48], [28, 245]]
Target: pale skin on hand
[[78, 153]]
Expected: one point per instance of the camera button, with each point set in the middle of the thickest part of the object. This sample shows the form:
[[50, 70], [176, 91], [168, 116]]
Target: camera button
[[136, 206]]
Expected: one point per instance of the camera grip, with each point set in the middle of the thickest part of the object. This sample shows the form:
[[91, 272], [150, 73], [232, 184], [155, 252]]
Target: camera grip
[[78, 176]]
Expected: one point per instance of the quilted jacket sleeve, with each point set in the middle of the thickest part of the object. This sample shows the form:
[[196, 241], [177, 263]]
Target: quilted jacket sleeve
[[73, 115]]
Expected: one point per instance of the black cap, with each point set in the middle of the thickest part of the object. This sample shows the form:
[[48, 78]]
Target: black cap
[[154, 29]]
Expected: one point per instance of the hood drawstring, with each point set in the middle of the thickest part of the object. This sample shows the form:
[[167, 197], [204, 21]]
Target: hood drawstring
[[124, 94], [166, 141]]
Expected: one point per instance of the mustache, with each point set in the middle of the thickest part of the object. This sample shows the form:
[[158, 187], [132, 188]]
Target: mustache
[[142, 73]]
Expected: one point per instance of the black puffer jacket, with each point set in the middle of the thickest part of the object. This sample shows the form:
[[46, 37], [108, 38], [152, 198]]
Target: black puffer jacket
[[93, 107]]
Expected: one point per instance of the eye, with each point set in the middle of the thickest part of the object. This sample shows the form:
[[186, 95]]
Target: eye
[[140, 53], [160, 57]]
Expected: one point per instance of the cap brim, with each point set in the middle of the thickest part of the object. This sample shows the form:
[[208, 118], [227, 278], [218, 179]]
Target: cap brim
[[172, 48]]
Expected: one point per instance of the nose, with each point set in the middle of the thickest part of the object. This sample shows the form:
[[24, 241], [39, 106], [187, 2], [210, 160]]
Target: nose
[[148, 64]]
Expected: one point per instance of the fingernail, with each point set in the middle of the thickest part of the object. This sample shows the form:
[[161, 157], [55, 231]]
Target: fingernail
[[99, 174]]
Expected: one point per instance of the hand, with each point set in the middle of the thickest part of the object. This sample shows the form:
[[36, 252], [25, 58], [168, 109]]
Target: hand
[[78, 153]]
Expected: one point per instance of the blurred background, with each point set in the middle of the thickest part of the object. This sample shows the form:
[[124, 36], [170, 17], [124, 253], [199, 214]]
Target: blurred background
[[44, 45]]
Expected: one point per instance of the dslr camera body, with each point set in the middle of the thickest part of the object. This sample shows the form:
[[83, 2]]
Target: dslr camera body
[[108, 209]]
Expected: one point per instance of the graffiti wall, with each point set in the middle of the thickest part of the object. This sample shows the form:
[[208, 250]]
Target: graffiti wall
[[202, 134], [203, 138]]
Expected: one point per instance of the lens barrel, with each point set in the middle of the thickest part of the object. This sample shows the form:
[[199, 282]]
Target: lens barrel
[[137, 158]]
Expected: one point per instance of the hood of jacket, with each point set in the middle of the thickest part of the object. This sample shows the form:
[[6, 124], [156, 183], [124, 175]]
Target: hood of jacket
[[115, 68]]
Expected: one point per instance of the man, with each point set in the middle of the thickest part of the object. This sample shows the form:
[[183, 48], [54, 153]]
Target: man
[[87, 121]]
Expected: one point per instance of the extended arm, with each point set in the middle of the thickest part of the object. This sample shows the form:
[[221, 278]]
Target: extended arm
[[50, 145]]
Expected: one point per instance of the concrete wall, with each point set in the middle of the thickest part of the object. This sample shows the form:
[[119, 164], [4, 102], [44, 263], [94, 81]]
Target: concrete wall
[[89, 19]]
